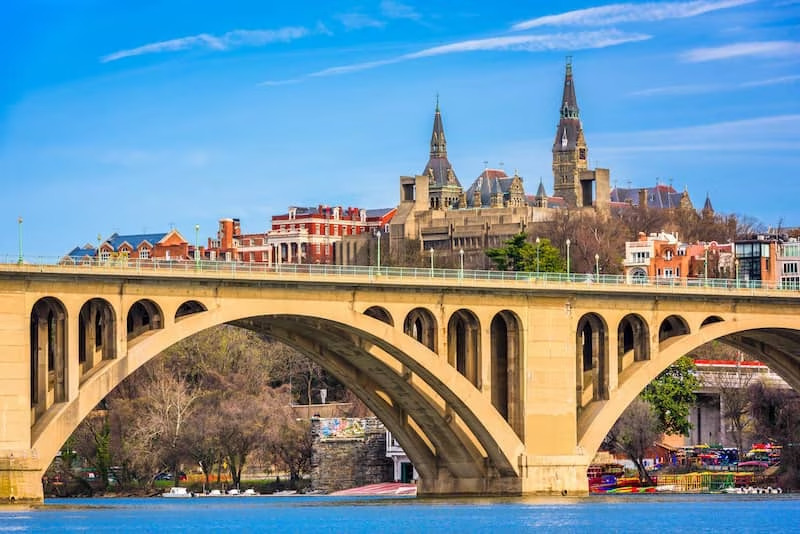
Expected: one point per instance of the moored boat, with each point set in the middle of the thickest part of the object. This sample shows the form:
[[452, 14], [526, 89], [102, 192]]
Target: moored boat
[[177, 493]]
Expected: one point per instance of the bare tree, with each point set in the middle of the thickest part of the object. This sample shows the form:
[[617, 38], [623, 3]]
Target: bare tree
[[635, 431]]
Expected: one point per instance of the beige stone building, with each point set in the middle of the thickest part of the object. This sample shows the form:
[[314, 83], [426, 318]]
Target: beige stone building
[[436, 209]]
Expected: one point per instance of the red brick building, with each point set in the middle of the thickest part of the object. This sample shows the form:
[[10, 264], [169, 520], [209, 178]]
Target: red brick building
[[302, 235]]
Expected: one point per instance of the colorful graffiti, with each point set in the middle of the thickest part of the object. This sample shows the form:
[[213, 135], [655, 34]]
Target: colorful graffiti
[[341, 428]]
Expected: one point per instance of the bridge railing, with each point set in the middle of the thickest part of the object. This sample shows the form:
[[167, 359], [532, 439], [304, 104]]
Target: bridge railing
[[228, 269]]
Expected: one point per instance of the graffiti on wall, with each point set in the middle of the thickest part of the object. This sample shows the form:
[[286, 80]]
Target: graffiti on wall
[[341, 428]]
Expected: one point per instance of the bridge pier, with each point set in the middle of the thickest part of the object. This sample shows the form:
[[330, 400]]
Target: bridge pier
[[20, 478], [540, 475]]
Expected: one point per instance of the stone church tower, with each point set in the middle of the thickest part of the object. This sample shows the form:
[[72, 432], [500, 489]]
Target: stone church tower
[[444, 189], [572, 179]]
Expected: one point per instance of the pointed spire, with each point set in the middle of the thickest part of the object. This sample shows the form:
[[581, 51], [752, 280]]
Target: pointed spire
[[707, 207], [438, 142], [541, 193], [569, 103]]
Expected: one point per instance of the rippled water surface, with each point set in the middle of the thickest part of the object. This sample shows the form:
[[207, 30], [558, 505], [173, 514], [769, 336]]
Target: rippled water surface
[[637, 513]]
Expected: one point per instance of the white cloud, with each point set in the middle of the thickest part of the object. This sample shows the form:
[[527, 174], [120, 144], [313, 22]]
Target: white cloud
[[772, 81], [231, 39], [694, 89], [397, 10], [527, 43], [755, 48], [357, 21], [729, 136], [629, 12]]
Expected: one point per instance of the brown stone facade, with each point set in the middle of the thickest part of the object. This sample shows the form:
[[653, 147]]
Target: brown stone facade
[[347, 453]]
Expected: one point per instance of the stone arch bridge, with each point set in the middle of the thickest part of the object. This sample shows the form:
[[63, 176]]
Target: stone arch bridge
[[493, 383]]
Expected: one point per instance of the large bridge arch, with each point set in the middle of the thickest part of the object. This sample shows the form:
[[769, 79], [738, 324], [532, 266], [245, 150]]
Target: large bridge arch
[[774, 340], [467, 441]]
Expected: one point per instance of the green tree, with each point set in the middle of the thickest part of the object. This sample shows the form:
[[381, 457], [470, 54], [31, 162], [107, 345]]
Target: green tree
[[519, 254], [672, 396]]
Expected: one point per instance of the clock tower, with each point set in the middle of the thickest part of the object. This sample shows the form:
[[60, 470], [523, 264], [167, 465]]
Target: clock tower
[[570, 155]]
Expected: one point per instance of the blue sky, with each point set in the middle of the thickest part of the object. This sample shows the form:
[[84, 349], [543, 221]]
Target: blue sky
[[136, 116]]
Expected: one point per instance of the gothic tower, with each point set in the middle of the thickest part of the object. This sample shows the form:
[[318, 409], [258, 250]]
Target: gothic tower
[[570, 155], [444, 189]]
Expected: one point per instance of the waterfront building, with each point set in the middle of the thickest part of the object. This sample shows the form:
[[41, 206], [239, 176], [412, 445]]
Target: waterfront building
[[167, 246], [756, 258], [661, 255], [789, 263], [301, 235]]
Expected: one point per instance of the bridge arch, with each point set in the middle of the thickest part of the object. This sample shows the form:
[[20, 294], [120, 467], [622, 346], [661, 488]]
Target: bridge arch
[[380, 313], [507, 367], [711, 319], [48, 356], [633, 341], [188, 308], [592, 373], [450, 429], [144, 315], [774, 340], [97, 333], [671, 326], [420, 324], [463, 342]]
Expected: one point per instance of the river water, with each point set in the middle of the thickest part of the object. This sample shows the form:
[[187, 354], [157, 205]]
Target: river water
[[632, 513]]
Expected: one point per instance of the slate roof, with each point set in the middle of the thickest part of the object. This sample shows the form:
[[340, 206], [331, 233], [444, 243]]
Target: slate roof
[[115, 240], [78, 254], [379, 212], [438, 162], [661, 196], [488, 182]]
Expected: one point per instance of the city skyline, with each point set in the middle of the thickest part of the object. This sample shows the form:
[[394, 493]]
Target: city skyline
[[141, 118]]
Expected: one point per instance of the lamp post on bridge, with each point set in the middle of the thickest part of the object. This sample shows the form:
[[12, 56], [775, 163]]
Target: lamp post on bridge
[[568, 243], [461, 272], [705, 267], [597, 267], [378, 235], [19, 231], [196, 250], [431, 262], [736, 268], [537, 257], [99, 242]]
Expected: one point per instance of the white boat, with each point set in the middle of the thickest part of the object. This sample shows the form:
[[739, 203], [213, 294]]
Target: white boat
[[234, 491], [250, 492], [177, 493]]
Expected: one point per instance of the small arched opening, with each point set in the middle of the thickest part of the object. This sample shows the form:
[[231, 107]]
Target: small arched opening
[[421, 325], [591, 359], [633, 340], [48, 358], [144, 315], [379, 313], [506, 368], [672, 326], [463, 342]]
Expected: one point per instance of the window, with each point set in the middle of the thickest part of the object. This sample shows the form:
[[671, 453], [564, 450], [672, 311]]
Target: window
[[790, 268], [668, 255], [104, 255], [144, 253], [582, 153]]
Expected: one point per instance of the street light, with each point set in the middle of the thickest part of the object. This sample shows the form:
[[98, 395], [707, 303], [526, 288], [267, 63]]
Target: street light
[[378, 234], [568, 243], [461, 253], [196, 250], [431, 262], [597, 267], [537, 256], [736, 267], [99, 240], [705, 268], [19, 229]]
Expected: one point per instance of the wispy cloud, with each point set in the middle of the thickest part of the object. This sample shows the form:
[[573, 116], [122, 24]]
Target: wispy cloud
[[629, 12], [358, 21], [226, 41], [526, 43], [754, 48], [728, 136], [397, 10], [694, 89]]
